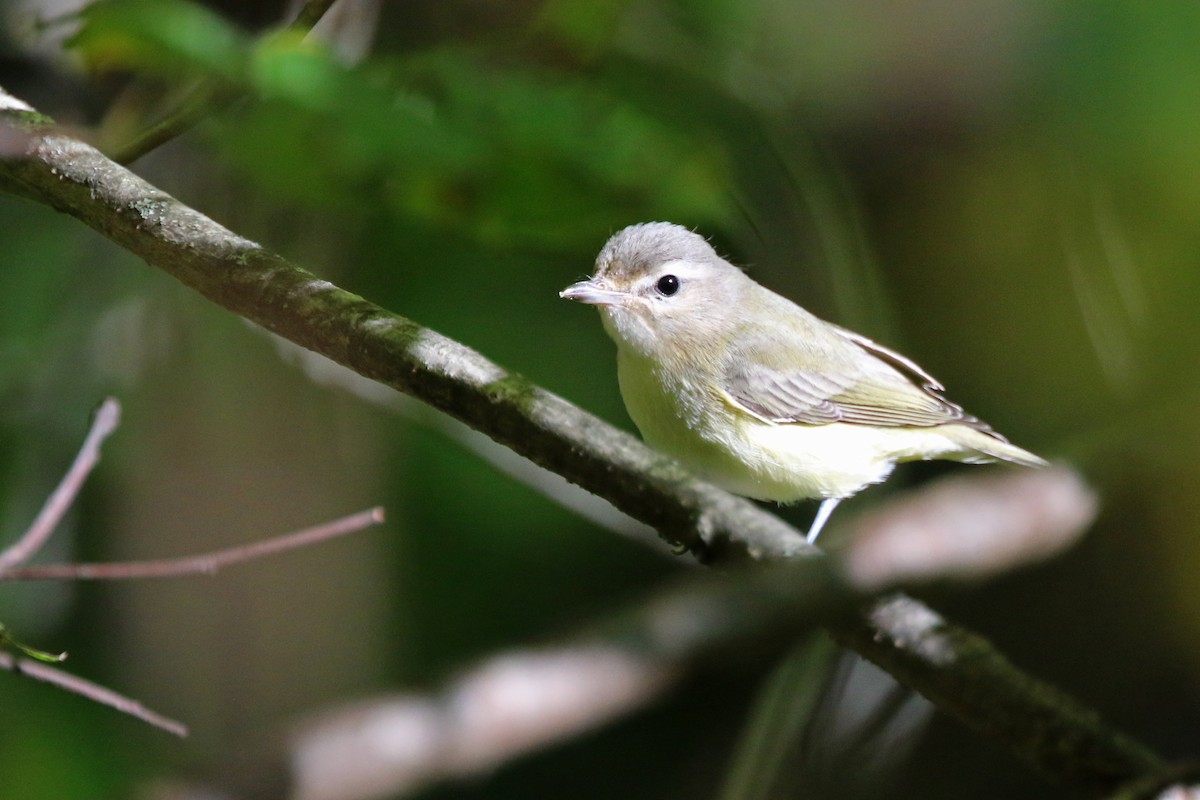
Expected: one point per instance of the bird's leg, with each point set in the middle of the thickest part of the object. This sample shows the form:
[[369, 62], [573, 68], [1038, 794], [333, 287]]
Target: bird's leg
[[827, 507]]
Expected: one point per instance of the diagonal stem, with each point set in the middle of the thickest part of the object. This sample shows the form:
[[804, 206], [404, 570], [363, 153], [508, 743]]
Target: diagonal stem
[[204, 564], [92, 691], [104, 422]]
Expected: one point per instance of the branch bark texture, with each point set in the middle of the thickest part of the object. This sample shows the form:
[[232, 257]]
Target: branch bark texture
[[264, 288], [956, 669]]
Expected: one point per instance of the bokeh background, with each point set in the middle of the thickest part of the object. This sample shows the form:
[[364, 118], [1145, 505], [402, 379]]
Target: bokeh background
[[1007, 191]]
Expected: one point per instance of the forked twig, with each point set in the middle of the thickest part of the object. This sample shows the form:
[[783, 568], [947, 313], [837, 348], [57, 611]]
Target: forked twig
[[105, 421], [203, 564], [103, 424]]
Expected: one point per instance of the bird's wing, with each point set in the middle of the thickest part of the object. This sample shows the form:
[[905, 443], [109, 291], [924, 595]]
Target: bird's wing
[[782, 379]]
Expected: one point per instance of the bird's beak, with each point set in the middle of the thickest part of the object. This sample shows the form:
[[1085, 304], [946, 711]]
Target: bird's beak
[[594, 294]]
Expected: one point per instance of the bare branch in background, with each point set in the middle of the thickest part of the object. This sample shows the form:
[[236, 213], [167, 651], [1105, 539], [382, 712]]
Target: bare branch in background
[[1178, 783], [94, 692], [104, 422], [534, 698], [1180, 792], [964, 527], [499, 709], [205, 564]]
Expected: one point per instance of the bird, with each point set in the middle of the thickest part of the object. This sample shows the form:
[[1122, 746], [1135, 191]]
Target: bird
[[755, 394]]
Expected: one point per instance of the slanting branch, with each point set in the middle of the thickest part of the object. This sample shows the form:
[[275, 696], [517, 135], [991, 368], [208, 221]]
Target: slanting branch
[[92, 691], [509, 704], [203, 564], [103, 424], [242, 277], [259, 285]]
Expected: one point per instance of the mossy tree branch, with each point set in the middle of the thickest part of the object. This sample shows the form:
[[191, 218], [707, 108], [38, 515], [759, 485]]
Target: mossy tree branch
[[956, 669]]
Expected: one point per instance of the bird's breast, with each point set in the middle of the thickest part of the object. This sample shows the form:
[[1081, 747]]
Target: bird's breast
[[669, 406], [686, 415]]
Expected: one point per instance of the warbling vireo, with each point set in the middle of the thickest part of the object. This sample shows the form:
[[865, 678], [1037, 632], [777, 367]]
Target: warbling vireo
[[757, 395]]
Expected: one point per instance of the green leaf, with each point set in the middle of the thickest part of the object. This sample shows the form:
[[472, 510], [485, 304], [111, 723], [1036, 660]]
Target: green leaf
[[161, 37], [513, 153], [40, 655]]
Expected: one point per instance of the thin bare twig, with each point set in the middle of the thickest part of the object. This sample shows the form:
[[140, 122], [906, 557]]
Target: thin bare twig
[[105, 421], [103, 424], [204, 564], [91, 691]]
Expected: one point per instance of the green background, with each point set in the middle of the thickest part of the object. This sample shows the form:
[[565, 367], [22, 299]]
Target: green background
[[1008, 192]]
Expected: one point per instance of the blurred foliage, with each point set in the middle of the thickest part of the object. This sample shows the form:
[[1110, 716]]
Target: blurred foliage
[[1008, 192], [443, 136], [158, 37]]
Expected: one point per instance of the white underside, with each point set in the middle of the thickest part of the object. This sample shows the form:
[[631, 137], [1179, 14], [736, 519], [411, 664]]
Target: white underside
[[779, 462], [795, 462]]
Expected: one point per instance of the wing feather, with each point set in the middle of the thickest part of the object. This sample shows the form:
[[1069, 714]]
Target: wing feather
[[873, 385]]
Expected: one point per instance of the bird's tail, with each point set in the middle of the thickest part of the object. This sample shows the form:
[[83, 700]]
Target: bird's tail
[[982, 445]]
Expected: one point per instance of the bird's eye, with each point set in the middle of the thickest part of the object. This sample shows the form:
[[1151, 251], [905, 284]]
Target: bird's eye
[[667, 285]]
